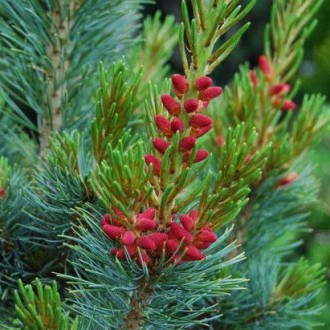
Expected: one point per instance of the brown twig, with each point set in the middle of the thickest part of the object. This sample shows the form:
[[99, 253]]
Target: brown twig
[[138, 302]]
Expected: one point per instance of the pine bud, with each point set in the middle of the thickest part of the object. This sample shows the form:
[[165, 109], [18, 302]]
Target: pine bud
[[200, 131], [145, 242], [106, 219], [187, 143], [193, 214], [194, 253], [131, 250], [155, 162], [280, 89], [159, 239], [172, 245], [164, 125], [201, 245], [200, 120], [191, 105], [254, 78], [2, 193], [289, 105], [180, 233], [201, 155], [176, 260], [210, 93], [145, 259], [118, 213], [288, 179], [220, 140], [128, 238], [147, 213], [144, 224], [177, 125], [206, 235], [248, 158], [172, 106], [265, 67], [203, 83], [113, 231], [187, 222], [180, 84], [160, 144], [119, 253]]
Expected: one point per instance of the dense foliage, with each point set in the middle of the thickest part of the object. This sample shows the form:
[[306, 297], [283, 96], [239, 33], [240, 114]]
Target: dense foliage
[[134, 201]]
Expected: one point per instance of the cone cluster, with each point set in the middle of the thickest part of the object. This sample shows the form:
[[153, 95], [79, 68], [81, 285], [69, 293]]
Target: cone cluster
[[144, 242], [277, 91], [185, 118]]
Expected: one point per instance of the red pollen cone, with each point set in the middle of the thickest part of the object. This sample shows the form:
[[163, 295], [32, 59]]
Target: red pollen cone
[[265, 66], [187, 222], [2, 193], [254, 78], [113, 231], [106, 219], [220, 140], [131, 250], [146, 242], [289, 105], [201, 155], [159, 239], [172, 245], [180, 84], [172, 106], [144, 224], [194, 253], [155, 162], [201, 245], [200, 120], [187, 143], [163, 125], [119, 253], [210, 93], [203, 83], [288, 179], [177, 125], [180, 233], [148, 213], [128, 238], [193, 214], [207, 236], [191, 105], [145, 258], [160, 144], [200, 131], [280, 89]]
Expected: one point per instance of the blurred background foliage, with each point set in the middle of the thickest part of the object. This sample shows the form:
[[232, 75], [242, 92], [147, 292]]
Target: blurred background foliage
[[315, 78]]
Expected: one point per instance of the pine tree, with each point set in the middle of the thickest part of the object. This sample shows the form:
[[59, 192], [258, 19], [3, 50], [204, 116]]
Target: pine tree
[[135, 201]]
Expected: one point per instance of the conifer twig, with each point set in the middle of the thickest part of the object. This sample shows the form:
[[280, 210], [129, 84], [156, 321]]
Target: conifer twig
[[57, 53]]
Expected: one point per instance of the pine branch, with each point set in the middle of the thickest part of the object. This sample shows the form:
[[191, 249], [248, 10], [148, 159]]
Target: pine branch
[[236, 168], [269, 303], [115, 101], [279, 211], [41, 309], [56, 49], [210, 22], [262, 98], [153, 52], [165, 295]]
